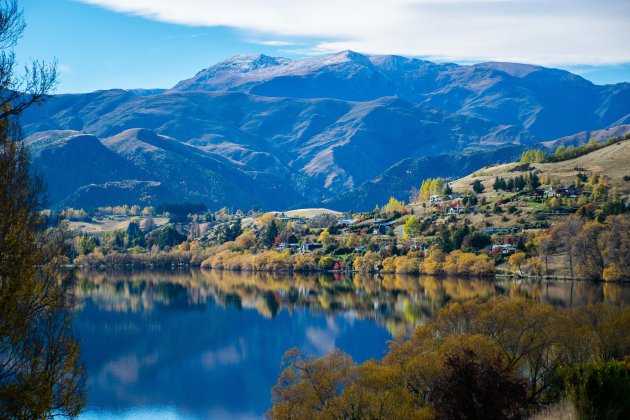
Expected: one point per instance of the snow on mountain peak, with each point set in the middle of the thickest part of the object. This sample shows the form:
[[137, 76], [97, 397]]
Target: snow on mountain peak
[[249, 62]]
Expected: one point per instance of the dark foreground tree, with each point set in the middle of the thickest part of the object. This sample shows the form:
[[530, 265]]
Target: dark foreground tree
[[474, 389], [40, 372]]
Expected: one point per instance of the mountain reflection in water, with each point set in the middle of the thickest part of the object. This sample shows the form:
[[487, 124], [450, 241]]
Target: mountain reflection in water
[[205, 344]]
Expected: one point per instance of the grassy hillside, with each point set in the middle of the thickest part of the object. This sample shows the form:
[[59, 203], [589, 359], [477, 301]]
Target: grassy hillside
[[612, 161]]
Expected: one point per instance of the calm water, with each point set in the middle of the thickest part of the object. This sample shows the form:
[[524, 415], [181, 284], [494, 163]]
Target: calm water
[[197, 344]]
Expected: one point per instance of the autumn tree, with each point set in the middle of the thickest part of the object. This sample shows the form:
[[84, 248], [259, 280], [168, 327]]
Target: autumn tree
[[40, 372], [394, 207], [516, 261], [471, 388], [431, 186], [544, 246]]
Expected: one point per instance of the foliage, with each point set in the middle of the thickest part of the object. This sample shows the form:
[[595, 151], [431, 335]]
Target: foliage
[[477, 186], [412, 227], [271, 233], [394, 207], [565, 153], [519, 347], [599, 391], [168, 236], [431, 186], [40, 372], [533, 156], [479, 389]]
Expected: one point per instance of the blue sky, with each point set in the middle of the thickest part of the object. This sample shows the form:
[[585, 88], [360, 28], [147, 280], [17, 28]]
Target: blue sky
[[103, 44]]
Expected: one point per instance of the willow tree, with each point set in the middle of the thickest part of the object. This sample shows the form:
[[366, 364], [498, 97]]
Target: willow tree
[[40, 372]]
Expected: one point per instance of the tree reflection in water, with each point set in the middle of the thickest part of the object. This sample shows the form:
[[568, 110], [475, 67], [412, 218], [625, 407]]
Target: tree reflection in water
[[399, 302]]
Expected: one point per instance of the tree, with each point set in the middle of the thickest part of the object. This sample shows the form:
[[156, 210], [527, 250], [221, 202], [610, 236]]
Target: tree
[[38, 79], [476, 240], [599, 391], [394, 207], [472, 388], [40, 372], [306, 387], [431, 186], [533, 156], [149, 224], [169, 236], [412, 227], [533, 182], [544, 246], [564, 235], [271, 233], [499, 184], [133, 230], [477, 186], [516, 261]]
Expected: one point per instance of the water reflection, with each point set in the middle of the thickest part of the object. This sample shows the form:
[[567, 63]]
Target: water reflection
[[208, 343]]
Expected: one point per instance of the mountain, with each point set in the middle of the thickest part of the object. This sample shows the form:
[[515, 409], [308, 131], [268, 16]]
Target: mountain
[[275, 132]]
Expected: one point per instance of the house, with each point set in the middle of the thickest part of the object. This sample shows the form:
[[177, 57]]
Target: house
[[304, 248], [549, 193], [456, 210], [435, 198], [454, 196], [382, 228], [347, 222], [287, 219], [492, 231], [503, 248]]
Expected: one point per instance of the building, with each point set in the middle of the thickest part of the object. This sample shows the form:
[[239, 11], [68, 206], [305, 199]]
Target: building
[[456, 210], [435, 198], [304, 248], [492, 231], [504, 248]]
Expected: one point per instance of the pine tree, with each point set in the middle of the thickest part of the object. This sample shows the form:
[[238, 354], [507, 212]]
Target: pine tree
[[271, 234]]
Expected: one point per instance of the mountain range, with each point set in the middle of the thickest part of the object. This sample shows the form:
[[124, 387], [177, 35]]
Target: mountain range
[[345, 130]]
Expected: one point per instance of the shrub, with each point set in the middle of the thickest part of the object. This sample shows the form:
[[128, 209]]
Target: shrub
[[599, 391], [326, 263]]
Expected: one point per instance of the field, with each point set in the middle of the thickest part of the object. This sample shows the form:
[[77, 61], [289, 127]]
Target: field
[[309, 213], [111, 223]]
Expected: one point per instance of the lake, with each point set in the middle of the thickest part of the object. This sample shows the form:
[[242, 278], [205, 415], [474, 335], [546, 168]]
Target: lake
[[208, 344]]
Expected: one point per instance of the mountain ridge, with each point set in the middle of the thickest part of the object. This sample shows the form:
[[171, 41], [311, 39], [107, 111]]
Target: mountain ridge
[[278, 132]]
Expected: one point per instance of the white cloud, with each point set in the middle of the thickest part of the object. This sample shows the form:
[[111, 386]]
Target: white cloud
[[274, 43], [64, 69], [552, 32]]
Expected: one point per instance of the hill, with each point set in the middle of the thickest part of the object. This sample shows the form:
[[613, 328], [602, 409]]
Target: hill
[[337, 129], [611, 161]]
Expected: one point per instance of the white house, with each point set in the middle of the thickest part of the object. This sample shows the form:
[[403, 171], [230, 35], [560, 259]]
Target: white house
[[456, 210], [505, 248], [435, 198]]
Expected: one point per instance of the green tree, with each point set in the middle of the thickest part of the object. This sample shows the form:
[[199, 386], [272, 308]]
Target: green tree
[[477, 186], [412, 227], [271, 233], [533, 182], [87, 243], [533, 156], [168, 236], [599, 391], [499, 184]]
